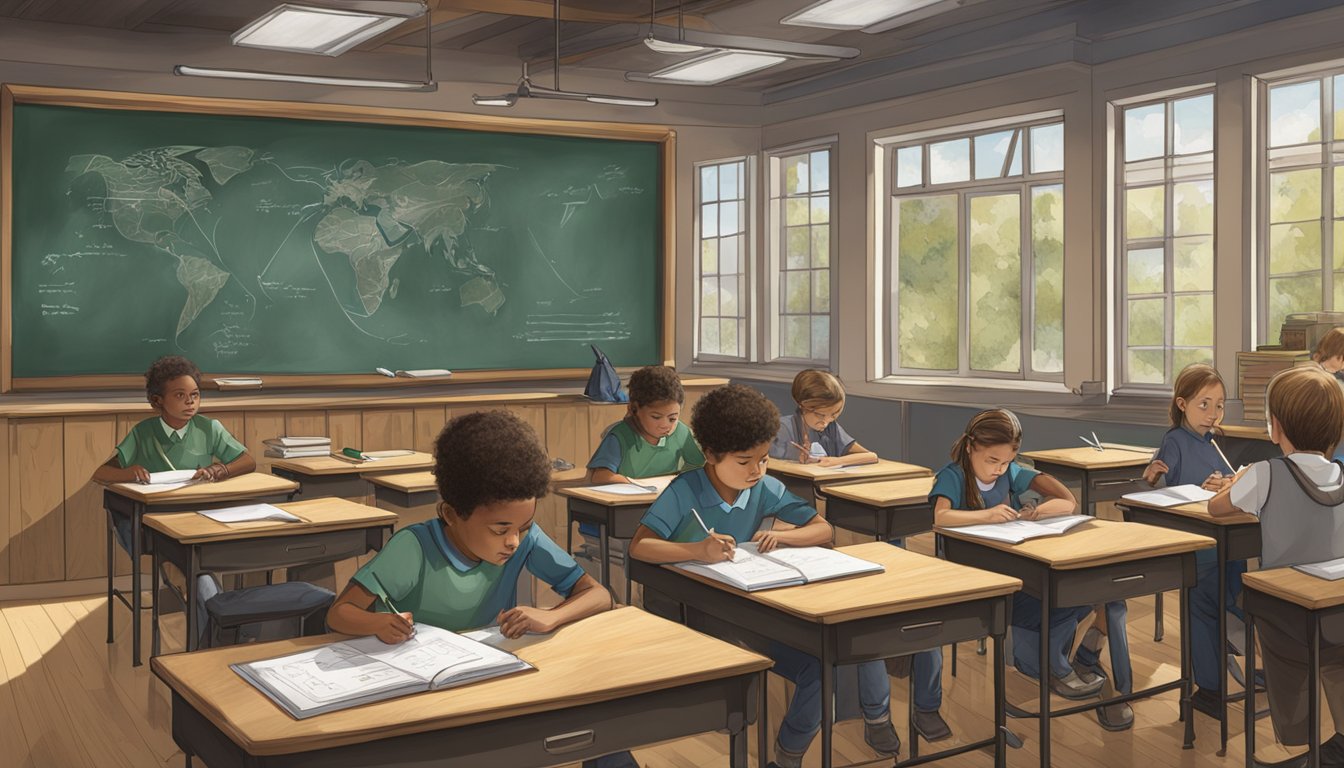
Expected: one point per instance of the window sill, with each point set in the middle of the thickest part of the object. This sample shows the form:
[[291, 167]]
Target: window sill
[[775, 371]]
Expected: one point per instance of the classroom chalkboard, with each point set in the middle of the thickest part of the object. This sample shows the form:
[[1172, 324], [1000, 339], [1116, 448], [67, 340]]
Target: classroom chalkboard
[[324, 243]]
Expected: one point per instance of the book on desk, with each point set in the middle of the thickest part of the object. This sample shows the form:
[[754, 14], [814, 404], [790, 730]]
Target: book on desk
[[749, 570], [1171, 496], [365, 669], [1330, 570], [1018, 531]]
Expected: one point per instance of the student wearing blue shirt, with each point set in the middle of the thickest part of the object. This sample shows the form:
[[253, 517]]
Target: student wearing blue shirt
[[983, 484], [812, 434], [733, 495], [1329, 354], [1188, 456]]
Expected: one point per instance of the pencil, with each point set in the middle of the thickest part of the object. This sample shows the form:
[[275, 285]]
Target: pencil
[[1222, 455], [701, 521]]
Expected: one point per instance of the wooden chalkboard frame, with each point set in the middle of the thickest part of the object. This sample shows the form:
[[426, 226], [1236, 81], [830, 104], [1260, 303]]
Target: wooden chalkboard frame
[[11, 94]]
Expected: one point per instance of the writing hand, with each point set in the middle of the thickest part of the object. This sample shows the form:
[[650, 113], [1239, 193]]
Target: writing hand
[[1029, 512], [1001, 513], [138, 474], [394, 628], [717, 547], [1215, 482]]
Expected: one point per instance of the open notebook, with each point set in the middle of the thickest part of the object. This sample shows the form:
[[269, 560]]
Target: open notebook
[[1332, 570], [1171, 496], [365, 670], [1017, 531], [749, 570], [638, 486], [164, 481]]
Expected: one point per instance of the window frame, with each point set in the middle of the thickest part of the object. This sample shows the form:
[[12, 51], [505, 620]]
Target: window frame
[[747, 274], [777, 227]]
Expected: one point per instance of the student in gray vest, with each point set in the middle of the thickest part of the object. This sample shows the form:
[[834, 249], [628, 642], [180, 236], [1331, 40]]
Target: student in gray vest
[[1299, 499]]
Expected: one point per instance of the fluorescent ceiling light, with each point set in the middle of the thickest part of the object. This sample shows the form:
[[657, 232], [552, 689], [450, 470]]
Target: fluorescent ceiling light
[[621, 101], [852, 14], [328, 31], [672, 46], [717, 67], [280, 77]]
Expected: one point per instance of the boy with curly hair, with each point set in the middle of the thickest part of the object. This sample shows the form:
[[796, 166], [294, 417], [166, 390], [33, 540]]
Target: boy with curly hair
[[734, 496], [651, 440]]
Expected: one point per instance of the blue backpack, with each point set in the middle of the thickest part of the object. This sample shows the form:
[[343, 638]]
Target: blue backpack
[[604, 385]]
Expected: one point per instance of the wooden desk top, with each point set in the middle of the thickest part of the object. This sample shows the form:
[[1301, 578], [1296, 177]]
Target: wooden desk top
[[1198, 510], [911, 581], [318, 515], [249, 486], [588, 493], [818, 474], [1091, 458], [321, 466], [1097, 542], [1246, 431], [421, 482], [635, 651], [1296, 587], [883, 493]]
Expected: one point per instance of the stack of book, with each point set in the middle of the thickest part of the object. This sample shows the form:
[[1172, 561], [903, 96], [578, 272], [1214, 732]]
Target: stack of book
[[297, 447], [1255, 369]]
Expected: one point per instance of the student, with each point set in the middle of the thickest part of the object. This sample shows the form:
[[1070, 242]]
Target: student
[[651, 440], [1188, 456], [1329, 352], [821, 399], [460, 570], [1300, 502], [733, 496], [983, 484]]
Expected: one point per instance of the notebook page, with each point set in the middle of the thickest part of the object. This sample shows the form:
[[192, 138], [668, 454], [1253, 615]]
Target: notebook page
[[1172, 496], [331, 673], [1330, 569], [622, 489], [819, 563], [249, 512], [433, 653], [1063, 522]]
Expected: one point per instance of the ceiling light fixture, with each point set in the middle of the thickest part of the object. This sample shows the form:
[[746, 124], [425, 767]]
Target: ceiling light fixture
[[285, 77], [711, 69], [705, 42], [853, 14]]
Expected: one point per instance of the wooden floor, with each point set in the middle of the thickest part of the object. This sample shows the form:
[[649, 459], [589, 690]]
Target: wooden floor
[[68, 699]]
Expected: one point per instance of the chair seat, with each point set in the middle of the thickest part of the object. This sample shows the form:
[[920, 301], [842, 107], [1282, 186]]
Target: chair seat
[[267, 602]]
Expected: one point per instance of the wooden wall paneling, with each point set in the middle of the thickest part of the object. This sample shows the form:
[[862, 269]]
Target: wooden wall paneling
[[88, 441], [601, 416], [534, 415], [125, 423], [346, 429], [10, 500], [236, 423], [258, 426], [387, 428], [37, 520], [567, 432], [429, 421], [306, 423]]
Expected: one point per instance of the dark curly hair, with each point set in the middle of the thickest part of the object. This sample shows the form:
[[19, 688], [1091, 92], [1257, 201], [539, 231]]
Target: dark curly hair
[[733, 418], [486, 457], [164, 370], [655, 384]]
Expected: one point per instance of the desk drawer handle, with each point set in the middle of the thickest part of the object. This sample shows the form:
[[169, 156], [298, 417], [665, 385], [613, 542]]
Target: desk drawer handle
[[1104, 483], [1135, 577], [568, 742], [925, 625], [322, 548]]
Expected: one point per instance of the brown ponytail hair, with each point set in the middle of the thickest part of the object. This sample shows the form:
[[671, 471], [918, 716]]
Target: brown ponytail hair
[[997, 426], [1189, 382]]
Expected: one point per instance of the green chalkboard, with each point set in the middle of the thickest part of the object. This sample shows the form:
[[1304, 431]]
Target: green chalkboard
[[272, 245]]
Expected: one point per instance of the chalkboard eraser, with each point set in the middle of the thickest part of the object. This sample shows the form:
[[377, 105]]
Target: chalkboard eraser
[[425, 373], [238, 382]]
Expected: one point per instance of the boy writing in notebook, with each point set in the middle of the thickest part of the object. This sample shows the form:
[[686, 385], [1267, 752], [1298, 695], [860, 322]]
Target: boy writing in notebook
[[703, 515], [651, 440]]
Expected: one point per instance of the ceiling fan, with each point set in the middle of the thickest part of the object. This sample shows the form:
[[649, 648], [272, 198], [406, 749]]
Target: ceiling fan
[[528, 90]]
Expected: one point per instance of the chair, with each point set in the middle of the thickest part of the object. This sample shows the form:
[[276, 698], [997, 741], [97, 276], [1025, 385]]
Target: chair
[[228, 612]]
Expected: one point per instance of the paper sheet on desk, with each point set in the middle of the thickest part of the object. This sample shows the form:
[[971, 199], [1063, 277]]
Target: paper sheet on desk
[[248, 512], [638, 486], [1332, 570], [1172, 496]]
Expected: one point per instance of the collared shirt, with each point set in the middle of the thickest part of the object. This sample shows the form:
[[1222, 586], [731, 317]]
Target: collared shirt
[[950, 483], [831, 441], [1251, 490], [626, 452], [423, 573], [151, 445], [1190, 457], [670, 516]]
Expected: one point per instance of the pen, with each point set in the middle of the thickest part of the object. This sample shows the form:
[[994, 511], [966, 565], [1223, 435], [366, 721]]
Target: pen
[[1097, 441], [382, 593], [1222, 455]]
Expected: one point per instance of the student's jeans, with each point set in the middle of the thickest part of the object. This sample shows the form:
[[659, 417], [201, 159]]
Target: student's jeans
[[926, 671], [1117, 637], [1206, 648], [1027, 636], [803, 718]]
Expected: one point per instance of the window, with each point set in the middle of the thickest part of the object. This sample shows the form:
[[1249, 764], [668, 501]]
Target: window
[[1164, 224], [989, 206], [722, 273], [801, 211], [1301, 199]]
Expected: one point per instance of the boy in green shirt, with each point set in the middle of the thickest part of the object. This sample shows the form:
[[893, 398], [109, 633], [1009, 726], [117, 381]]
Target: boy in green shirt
[[651, 440]]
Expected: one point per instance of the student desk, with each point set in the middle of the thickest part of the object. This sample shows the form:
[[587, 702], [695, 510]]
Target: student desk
[[615, 515], [806, 479], [919, 602], [407, 490], [1298, 604], [1096, 562], [1104, 475], [657, 681], [1237, 537], [134, 502], [886, 509], [331, 529], [329, 476]]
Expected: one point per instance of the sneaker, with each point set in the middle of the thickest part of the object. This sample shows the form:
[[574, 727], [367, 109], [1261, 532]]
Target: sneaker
[[1206, 701], [1073, 687], [1088, 673], [787, 759], [882, 738], [1114, 717], [932, 726], [1332, 752]]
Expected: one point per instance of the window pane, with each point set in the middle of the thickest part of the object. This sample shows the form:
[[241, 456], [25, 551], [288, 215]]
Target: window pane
[[950, 161], [909, 166], [1339, 290], [1291, 294], [796, 290], [1339, 186], [1194, 125], [1146, 366], [709, 183], [728, 181], [821, 171], [709, 256], [709, 220], [1144, 271], [1295, 113], [728, 297], [821, 247], [709, 296], [1192, 264], [1145, 132], [1192, 207], [728, 218], [730, 255], [926, 246], [729, 337], [821, 338], [709, 336], [1180, 358], [1192, 325], [1147, 322], [1015, 166], [1145, 212], [1339, 252], [995, 297], [796, 253], [797, 337], [796, 211], [821, 210], [1047, 148], [1047, 244], [795, 175], [821, 291], [1295, 195], [991, 149], [1294, 247]]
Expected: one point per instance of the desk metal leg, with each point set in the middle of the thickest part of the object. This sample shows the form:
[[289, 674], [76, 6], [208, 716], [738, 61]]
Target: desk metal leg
[[1158, 631], [1045, 671], [1187, 680], [625, 568], [910, 712], [1221, 643], [192, 596], [154, 636], [1248, 704], [763, 722], [1000, 726], [136, 533], [604, 549], [827, 695], [1313, 691], [111, 571], [569, 531]]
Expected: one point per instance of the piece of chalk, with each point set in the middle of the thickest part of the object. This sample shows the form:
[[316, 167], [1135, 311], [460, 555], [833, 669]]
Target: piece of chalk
[[385, 372]]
